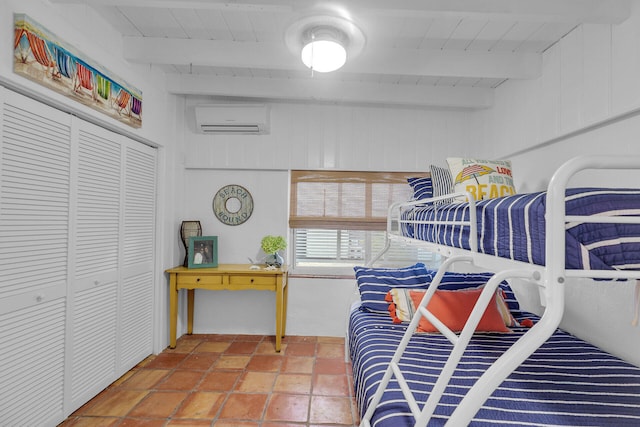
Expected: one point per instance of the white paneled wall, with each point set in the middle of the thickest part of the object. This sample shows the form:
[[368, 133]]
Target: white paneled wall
[[302, 136], [586, 102], [305, 136], [590, 76]]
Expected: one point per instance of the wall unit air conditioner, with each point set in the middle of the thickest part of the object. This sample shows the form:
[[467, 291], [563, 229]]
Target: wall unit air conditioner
[[249, 119]]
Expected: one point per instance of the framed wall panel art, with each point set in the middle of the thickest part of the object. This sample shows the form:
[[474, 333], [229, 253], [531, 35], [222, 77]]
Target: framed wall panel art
[[43, 58]]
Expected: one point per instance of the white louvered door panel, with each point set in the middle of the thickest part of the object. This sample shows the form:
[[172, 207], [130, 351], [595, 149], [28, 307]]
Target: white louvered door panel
[[140, 195], [138, 254], [32, 368], [96, 262], [94, 341], [34, 198], [98, 203], [137, 319], [35, 162]]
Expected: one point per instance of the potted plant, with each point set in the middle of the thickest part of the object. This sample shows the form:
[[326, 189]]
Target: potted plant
[[271, 245]]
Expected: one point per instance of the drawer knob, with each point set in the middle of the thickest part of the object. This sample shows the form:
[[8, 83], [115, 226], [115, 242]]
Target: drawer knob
[[198, 279], [251, 280]]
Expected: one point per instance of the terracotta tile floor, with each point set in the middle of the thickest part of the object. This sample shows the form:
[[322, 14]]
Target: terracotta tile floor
[[231, 380]]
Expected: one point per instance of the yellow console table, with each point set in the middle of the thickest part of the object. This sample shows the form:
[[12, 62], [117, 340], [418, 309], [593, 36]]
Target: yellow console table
[[235, 277]]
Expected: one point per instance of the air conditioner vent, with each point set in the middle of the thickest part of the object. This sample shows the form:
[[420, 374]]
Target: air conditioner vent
[[249, 119]]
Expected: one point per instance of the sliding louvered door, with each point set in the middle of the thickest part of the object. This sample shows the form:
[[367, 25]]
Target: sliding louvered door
[[77, 215], [95, 260], [138, 242], [113, 259], [35, 163]]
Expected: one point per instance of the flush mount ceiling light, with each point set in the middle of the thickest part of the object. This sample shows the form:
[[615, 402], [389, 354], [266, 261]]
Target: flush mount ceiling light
[[323, 42], [324, 49]]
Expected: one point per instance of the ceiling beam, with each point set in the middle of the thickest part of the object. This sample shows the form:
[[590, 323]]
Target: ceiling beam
[[264, 55], [567, 11], [333, 91]]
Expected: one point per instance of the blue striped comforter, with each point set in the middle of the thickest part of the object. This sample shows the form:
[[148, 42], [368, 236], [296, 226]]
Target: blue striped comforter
[[566, 382], [514, 227]]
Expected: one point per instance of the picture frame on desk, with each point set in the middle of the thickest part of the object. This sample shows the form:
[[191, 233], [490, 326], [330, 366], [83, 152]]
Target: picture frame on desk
[[203, 252]]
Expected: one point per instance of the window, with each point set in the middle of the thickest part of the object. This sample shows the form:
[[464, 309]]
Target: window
[[339, 219]]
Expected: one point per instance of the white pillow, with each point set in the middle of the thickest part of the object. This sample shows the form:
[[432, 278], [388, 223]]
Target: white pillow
[[484, 179]]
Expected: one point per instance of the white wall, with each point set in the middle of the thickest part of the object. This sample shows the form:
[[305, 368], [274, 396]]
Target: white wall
[[302, 136], [586, 101]]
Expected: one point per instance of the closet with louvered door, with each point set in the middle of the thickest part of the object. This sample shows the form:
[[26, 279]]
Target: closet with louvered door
[[77, 215], [35, 194]]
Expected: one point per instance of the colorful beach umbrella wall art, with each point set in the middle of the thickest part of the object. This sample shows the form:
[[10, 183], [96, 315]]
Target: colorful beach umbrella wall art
[[43, 58]]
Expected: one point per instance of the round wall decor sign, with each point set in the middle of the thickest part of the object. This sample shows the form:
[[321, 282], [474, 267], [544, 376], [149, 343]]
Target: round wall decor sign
[[233, 204]]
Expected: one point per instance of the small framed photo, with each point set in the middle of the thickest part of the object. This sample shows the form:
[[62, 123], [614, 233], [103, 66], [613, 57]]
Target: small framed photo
[[203, 251]]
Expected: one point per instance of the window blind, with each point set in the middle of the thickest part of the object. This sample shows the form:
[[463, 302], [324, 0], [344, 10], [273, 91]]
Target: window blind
[[346, 200]]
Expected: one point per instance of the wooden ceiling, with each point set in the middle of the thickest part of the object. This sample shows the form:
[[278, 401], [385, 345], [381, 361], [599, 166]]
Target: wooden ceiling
[[423, 53]]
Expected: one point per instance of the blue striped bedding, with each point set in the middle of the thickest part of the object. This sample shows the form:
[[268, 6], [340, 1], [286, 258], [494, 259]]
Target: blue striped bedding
[[514, 227], [566, 382]]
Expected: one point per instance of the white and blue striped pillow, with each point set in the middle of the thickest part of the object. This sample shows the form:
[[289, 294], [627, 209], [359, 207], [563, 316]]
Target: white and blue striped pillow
[[441, 181], [374, 283], [422, 187]]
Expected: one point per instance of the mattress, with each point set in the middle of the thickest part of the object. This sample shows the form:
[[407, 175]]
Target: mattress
[[566, 382], [514, 227]]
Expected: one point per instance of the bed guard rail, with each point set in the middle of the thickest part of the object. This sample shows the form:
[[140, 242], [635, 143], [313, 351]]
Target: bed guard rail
[[459, 341], [395, 220]]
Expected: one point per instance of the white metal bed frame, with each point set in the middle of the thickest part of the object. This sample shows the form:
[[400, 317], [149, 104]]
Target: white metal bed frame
[[550, 278]]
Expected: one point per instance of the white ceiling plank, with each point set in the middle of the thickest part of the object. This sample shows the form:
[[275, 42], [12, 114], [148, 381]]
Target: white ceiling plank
[[155, 22], [410, 33], [239, 25], [464, 34], [330, 91], [263, 25], [572, 11], [439, 33], [215, 24], [486, 38], [437, 62], [190, 23], [407, 62], [546, 35], [512, 41], [118, 21]]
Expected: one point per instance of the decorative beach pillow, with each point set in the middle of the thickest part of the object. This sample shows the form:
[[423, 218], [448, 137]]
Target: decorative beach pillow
[[484, 179], [422, 188], [375, 283], [452, 308], [441, 180]]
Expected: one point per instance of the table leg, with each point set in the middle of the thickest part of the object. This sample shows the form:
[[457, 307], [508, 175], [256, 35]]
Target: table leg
[[173, 310], [190, 299], [285, 303], [279, 306]]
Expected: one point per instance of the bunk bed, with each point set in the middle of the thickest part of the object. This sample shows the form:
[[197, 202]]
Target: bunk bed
[[527, 375]]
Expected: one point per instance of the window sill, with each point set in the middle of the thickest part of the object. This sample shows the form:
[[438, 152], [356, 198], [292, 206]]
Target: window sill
[[321, 276]]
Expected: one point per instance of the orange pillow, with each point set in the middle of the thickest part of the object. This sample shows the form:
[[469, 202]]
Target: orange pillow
[[451, 307]]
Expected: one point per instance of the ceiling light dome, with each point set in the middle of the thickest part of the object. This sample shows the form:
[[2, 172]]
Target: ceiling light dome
[[324, 49], [324, 42]]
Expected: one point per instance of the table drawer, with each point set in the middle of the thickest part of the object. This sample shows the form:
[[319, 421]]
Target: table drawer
[[252, 280], [191, 280]]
